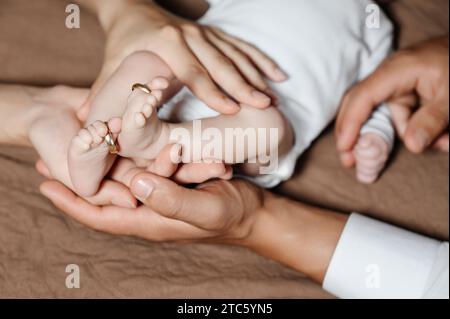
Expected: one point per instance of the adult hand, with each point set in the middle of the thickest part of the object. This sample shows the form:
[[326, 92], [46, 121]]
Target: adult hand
[[114, 190], [419, 74], [231, 212], [202, 58], [219, 210]]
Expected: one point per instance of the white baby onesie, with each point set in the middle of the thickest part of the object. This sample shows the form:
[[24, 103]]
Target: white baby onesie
[[324, 46]]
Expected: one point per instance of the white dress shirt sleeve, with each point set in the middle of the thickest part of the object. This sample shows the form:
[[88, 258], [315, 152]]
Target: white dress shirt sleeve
[[377, 260]]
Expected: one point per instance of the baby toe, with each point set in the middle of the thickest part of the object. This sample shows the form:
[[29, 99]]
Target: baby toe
[[139, 119], [158, 95], [85, 136], [152, 100], [100, 128], [115, 125], [80, 143], [159, 83], [137, 97], [95, 137], [147, 110]]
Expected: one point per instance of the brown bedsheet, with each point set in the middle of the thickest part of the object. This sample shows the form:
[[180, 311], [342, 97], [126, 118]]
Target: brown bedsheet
[[37, 241]]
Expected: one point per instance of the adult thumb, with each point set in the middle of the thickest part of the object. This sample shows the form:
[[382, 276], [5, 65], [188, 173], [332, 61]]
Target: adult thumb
[[426, 125], [171, 200]]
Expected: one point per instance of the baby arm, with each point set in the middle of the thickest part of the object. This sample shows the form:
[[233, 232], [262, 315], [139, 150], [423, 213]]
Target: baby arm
[[375, 143]]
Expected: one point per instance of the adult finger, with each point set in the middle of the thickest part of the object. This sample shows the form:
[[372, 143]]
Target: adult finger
[[189, 71], [141, 222], [196, 173], [396, 77], [426, 125], [402, 110], [347, 159], [113, 193], [197, 207], [167, 161], [43, 169], [242, 61], [109, 193], [228, 174], [442, 144], [261, 60], [167, 165], [223, 72], [118, 221]]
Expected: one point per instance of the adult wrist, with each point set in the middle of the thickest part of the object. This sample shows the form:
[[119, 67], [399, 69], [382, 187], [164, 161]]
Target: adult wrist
[[108, 11], [299, 236]]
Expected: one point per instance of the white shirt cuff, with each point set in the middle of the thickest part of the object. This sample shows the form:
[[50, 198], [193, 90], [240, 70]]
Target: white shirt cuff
[[377, 260]]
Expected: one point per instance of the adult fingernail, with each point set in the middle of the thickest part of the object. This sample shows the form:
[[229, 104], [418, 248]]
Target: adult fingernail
[[143, 188], [261, 96], [422, 139], [175, 153], [279, 75]]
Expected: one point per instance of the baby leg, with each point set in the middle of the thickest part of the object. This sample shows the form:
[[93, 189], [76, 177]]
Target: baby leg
[[89, 158], [253, 137], [249, 136], [374, 146]]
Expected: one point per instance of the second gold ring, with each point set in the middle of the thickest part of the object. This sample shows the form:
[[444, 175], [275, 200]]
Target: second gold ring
[[112, 145], [142, 87]]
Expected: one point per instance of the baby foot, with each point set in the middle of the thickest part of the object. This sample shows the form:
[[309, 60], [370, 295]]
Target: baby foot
[[371, 154], [89, 157], [142, 131]]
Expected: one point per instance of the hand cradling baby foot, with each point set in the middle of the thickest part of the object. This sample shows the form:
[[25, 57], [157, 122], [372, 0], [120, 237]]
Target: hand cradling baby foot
[[371, 154]]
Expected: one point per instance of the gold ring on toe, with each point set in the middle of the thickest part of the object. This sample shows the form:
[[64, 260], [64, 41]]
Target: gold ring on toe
[[112, 145], [142, 87]]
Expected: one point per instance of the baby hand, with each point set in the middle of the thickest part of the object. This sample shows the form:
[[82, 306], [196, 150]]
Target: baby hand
[[371, 154]]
